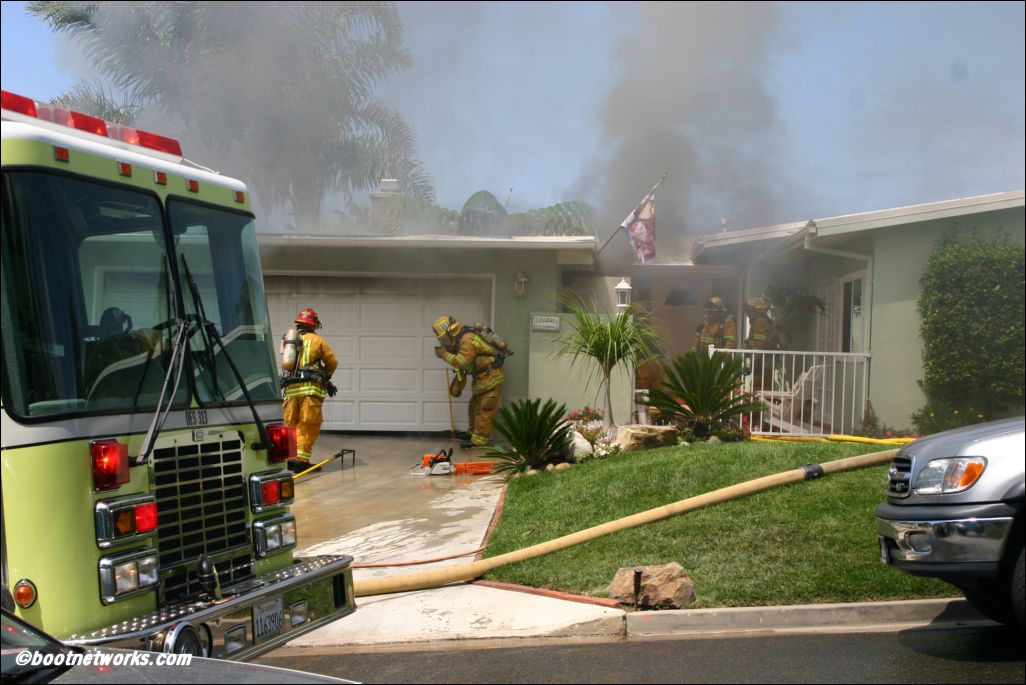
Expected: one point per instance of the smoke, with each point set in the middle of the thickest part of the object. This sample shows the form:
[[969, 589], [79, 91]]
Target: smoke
[[690, 98]]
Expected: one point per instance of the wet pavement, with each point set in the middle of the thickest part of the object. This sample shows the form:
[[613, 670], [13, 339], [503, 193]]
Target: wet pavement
[[379, 512], [343, 498]]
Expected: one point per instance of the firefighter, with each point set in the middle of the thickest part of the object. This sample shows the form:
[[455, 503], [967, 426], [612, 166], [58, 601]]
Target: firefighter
[[306, 387], [467, 350], [718, 328], [763, 335]]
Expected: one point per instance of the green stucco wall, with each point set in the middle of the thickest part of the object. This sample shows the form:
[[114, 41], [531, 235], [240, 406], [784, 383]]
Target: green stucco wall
[[574, 384], [900, 258]]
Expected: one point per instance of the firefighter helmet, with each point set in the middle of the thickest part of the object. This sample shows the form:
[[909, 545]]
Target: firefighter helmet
[[757, 303], [446, 325], [308, 317], [715, 303]]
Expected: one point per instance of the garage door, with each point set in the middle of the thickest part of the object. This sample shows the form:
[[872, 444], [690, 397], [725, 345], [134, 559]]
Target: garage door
[[380, 328]]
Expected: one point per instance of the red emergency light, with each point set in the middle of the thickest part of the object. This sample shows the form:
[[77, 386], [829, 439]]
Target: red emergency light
[[90, 124], [283, 443], [110, 464]]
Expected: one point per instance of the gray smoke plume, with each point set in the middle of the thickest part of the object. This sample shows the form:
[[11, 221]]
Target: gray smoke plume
[[690, 99]]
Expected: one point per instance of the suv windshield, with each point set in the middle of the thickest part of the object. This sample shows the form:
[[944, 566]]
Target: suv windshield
[[86, 298]]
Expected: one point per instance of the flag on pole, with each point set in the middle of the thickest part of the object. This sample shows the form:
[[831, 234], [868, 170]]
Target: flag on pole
[[640, 228]]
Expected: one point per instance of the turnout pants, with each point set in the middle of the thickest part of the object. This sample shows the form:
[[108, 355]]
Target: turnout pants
[[482, 408], [305, 414]]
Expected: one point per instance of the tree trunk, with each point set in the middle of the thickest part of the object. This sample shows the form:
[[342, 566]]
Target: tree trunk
[[610, 423]]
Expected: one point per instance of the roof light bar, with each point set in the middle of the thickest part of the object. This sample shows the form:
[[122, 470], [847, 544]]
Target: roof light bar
[[26, 107]]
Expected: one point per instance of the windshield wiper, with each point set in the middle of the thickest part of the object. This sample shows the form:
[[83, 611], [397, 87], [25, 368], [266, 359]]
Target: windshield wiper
[[174, 368], [210, 332]]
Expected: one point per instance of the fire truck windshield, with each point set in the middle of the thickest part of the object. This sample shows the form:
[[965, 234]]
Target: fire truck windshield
[[86, 306]]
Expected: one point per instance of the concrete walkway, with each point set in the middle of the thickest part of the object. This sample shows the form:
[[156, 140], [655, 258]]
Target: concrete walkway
[[378, 512]]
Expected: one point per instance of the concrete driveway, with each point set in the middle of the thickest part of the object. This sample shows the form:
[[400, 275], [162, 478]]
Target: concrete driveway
[[377, 511]]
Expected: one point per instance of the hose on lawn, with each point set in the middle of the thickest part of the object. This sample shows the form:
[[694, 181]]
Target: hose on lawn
[[465, 572]]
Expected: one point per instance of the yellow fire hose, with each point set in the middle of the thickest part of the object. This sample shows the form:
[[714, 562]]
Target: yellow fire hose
[[464, 572]]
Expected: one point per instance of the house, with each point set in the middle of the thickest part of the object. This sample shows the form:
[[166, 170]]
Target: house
[[378, 295], [866, 269]]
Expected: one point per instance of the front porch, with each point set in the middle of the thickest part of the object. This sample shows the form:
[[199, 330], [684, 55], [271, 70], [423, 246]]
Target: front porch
[[806, 393]]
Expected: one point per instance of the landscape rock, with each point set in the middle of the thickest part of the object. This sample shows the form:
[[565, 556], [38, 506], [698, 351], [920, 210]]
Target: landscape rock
[[664, 586], [634, 437]]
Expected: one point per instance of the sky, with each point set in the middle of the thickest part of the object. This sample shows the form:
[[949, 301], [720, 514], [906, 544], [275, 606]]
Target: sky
[[762, 113]]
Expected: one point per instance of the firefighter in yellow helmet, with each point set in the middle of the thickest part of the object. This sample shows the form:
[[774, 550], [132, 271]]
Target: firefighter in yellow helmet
[[718, 328], [469, 352], [763, 334], [307, 384]]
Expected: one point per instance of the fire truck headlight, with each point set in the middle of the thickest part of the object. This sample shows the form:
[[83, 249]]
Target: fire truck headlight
[[126, 574], [288, 533], [149, 571], [126, 577], [275, 534], [273, 538]]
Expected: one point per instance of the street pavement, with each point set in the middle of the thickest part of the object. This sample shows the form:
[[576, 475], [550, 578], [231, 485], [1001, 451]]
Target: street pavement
[[378, 512]]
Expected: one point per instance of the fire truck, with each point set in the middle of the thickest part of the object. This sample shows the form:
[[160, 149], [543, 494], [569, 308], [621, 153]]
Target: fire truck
[[145, 487]]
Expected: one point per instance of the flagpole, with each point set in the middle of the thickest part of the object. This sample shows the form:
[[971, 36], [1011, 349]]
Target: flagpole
[[610, 238]]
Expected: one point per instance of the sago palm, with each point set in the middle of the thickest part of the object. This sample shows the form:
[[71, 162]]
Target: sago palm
[[538, 434], [701, 392]]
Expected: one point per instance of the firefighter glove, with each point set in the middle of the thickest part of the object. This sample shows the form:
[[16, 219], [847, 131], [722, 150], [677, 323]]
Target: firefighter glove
[[440, 352]]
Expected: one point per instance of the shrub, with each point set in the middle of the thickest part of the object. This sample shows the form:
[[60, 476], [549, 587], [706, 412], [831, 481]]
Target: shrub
[[537, 434], [586, 415], [972, 324], [701, 392]]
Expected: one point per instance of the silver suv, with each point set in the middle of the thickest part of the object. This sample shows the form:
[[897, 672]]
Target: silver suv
[[955, 511]]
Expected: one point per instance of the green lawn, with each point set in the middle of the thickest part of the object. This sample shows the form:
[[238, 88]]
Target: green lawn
[[804, 543]]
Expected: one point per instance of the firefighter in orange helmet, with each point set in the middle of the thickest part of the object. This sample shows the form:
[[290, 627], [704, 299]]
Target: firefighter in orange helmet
[[469, 352], [307, 384], [718, 328]]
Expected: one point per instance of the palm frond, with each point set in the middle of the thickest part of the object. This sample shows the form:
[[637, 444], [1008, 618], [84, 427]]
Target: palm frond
[[702, 392]]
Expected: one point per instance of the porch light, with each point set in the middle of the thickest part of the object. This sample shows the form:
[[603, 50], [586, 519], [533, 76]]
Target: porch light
[[520, 285], [623, 294]]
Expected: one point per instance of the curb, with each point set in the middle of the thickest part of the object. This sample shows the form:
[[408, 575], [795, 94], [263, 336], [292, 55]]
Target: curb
[[553, 594], [936, 613]]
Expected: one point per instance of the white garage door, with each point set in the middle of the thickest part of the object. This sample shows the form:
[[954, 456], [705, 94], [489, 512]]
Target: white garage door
[[388, 377]]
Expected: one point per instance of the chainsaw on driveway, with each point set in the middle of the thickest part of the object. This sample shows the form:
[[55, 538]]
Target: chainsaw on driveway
[[440, 464]]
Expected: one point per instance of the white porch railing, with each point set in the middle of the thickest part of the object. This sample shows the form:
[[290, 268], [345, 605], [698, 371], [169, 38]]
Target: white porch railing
[[806, 393]]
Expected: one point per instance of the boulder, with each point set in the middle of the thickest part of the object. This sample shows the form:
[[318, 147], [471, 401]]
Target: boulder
[[633, 437], [665, 586], [580, 446], [562, 467]]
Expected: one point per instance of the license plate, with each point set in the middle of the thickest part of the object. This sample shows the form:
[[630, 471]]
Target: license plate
[[268, 619], [885, 554]]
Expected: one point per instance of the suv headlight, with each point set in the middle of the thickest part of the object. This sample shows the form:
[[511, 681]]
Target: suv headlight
[[954, 474]]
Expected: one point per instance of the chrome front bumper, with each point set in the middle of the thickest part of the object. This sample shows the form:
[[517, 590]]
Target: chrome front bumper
[[310, 593], [975, 540]]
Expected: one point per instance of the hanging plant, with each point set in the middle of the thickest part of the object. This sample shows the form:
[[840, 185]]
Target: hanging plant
[[787, 300]]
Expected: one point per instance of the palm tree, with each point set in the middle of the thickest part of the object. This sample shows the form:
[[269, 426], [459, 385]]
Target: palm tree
[[280, 93], [624, 339]]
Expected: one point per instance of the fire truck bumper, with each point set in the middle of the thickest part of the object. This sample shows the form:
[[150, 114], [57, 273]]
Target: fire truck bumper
[[253, 617]]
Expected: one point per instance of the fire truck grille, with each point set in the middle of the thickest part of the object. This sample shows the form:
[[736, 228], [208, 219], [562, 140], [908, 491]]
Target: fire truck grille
[[181, 586], [201, 506]]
